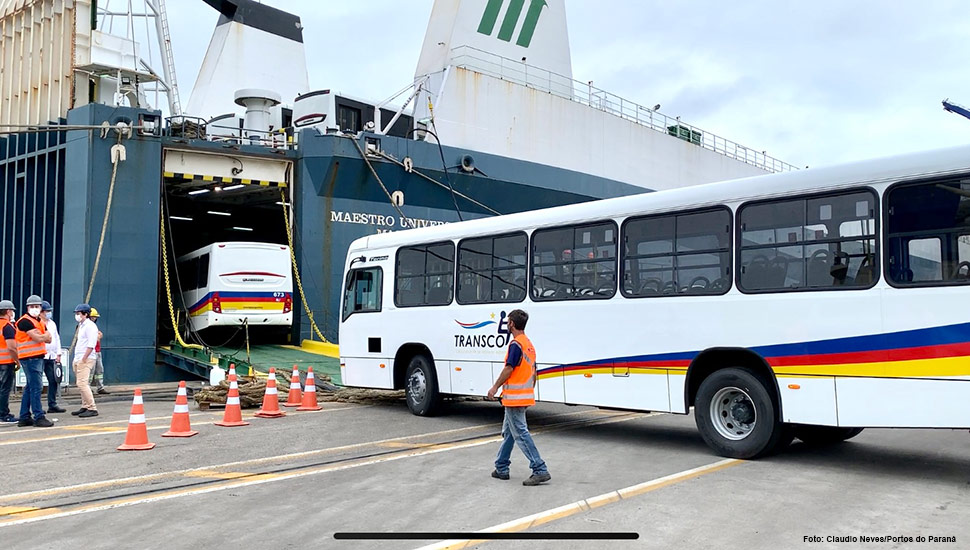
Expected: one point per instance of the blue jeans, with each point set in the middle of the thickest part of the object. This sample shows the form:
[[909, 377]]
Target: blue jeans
[[50, 371], [515, 430], [34, 369], [7, 376]]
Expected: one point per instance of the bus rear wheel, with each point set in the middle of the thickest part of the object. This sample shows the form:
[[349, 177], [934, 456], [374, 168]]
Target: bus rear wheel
[[824, 435], [735, 415], [421, 387]]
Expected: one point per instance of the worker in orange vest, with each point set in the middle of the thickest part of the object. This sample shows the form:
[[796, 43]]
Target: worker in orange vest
[[517, 381], [9, 361], [32, 340]]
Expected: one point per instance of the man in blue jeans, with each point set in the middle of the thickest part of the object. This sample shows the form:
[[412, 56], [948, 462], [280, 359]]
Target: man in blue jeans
[[32, 340], [518, 380], [8, 358]]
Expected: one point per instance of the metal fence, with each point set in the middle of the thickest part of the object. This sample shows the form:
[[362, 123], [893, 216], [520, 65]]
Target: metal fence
[[31, 236], [581, 92]]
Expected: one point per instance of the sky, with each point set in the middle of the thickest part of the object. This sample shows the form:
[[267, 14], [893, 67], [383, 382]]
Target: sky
[[812, 83]]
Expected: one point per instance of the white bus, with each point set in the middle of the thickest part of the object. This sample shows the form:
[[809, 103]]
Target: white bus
[[806, 304], [231, 283]]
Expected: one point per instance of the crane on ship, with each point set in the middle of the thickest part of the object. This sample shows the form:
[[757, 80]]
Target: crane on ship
[[954, 108]]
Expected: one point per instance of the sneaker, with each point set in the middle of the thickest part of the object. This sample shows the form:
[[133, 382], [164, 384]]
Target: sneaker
[[56, 409], [9, 418], [24, 422], [78, 412], [537, 479], [497, 475], [102, 391], [43, 422], [88, 414]]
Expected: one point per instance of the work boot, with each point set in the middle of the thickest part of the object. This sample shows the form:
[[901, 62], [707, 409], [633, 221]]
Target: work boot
[[78, 412], [88, 414], [56, 409], [43, 422], [102, 391], [497, 475], [24, 422], [537, 479]]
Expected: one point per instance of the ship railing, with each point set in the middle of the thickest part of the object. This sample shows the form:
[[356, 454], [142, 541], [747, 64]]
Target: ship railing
[[519, 72], [197, 128]]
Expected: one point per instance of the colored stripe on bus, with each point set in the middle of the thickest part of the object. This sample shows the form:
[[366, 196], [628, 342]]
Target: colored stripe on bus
[[239, 300]]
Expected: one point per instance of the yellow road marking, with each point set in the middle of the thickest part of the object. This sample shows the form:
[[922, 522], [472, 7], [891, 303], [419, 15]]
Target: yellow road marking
[[401, 444], [585, 505], [95, 428], [7, 510], [252, 461], [258, 479], [217, 475]]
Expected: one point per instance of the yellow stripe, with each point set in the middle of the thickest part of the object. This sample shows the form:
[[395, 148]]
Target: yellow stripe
[[8, 510], [217, 475], [246, 181], [188, 176], [225, 179], [208, 178], [169, 174], [264, 183]]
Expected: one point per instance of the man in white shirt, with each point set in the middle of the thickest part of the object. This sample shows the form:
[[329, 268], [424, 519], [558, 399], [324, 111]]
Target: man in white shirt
[[87, 339], [52, 361]]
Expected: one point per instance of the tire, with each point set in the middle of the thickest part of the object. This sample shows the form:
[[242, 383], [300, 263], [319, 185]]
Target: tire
[[824, 435], [736, 417], [421, 387]]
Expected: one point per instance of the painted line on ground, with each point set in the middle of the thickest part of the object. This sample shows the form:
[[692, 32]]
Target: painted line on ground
[[94, 432], [54, 513], [254, 461], [587, 504]]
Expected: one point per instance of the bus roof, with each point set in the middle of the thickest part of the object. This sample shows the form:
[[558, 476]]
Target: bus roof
[[931, 163]]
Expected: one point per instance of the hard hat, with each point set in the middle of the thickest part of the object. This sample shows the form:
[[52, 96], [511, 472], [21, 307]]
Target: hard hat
[[94, 312], [82, 308], [46, 306], [34, 300], [7, 304]]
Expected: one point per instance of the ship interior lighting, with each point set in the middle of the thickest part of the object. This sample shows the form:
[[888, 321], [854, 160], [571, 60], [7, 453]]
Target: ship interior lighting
[[183, 218], [231, 187], [281, 203], [243, 228], [218, 213], [198, 191]]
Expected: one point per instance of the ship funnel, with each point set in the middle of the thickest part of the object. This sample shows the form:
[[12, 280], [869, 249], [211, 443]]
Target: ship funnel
[[258, 104]]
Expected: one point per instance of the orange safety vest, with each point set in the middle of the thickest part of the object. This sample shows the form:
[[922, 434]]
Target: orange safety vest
[[519, 389], [6, 354], [26, 347]]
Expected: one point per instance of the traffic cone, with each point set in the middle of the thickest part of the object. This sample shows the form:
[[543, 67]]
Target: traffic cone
[[232, 370], [137, 437], [233, 415], [181, 427], [295, 398], [309, 394], [271, 401]]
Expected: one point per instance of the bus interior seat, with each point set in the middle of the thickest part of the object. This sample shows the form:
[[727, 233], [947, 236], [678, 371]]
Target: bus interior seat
[[863, 277], [777, 272], [819, 268], [962, 271], [756, 273]]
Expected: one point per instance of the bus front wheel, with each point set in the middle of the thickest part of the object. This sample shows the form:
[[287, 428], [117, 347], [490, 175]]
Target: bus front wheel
[[421, 387], [824, 435], [735, 415]]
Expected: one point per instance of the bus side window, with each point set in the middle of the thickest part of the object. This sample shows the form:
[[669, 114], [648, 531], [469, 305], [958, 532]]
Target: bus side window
[[928, 233], [202, 279], [363, 291]]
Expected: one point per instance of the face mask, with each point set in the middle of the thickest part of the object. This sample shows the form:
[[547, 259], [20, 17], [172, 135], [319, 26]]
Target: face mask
[[77, 317], [33, 311]]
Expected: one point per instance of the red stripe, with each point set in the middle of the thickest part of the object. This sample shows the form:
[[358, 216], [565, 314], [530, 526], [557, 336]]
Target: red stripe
[[230, 299], [901, 354]]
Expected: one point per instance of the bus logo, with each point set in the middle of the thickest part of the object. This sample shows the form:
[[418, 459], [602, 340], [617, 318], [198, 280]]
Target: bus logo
[[487, 340], [472, 326], [490, 17]]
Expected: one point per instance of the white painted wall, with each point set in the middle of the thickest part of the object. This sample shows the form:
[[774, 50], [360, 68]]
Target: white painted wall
[[496, 116]]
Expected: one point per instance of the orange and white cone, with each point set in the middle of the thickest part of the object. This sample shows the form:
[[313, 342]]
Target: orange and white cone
[[181, 426], [295, 397], [271, 400], [137, 437], [309, 394], [233, 414], [232, 370]]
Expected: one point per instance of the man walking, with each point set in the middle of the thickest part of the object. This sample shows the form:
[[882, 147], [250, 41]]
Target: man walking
[[52, 360], [517, 381], [9, 361], [97, 374], [87, 339], [32, 339]]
